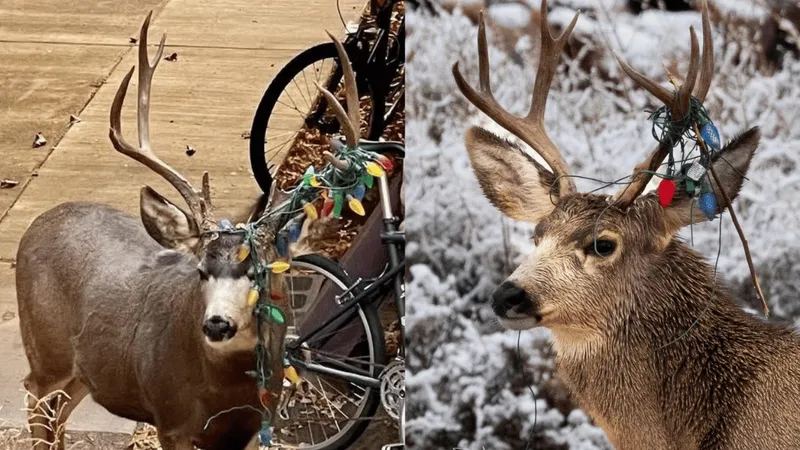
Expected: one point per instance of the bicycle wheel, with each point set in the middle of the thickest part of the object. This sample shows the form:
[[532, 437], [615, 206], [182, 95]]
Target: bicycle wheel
[[289, 109], [329, 412]]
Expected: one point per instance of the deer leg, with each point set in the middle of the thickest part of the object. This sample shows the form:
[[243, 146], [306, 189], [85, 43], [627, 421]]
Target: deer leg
[[174, 443], [40, 411], [39, 424], [63, 405]]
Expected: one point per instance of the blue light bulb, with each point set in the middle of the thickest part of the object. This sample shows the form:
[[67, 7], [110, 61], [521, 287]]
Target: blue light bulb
[[282, 244], [710, 135], [294, 230], [708, 204], [265, 436], [359, 191]]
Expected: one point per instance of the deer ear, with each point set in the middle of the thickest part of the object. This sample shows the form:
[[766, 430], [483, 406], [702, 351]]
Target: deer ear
[[512, 180], [731, 166], [167, 223]]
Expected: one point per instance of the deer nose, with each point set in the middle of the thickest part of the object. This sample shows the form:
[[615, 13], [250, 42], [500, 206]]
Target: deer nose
[[218, 328], [509, 297]]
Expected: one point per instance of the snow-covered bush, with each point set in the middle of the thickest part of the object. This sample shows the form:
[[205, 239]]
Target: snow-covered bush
[[466, 388]]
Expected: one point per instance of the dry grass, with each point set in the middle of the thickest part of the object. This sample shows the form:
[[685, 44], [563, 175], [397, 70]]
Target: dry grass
[[144, 438]]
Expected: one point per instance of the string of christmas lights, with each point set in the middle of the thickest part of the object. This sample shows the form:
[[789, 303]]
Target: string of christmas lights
[[690, 173], [345, 178], [350, 171]]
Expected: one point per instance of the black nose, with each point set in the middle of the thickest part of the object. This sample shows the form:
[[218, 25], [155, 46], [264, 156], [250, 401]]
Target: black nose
[[509, 296], [218, 328]]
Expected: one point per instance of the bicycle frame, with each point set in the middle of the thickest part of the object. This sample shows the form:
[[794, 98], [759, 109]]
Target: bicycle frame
[[391, 279]]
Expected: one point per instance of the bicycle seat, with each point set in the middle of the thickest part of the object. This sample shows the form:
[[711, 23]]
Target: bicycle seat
[[381, 147]]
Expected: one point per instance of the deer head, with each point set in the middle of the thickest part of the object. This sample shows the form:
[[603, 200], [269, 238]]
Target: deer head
[[590, 249], [223, 275]]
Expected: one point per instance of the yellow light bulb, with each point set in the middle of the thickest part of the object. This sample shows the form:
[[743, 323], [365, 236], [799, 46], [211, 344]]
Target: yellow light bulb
[[374, 169], [252, 297], [279, 267], [291, 374], [355, 205], [311, 211], [244, 250]]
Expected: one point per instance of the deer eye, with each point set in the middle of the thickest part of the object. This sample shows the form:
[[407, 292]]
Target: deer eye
[[601, 247]]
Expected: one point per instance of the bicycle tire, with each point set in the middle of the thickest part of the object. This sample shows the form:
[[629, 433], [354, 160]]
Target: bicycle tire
[[372, 324], [258, 129]]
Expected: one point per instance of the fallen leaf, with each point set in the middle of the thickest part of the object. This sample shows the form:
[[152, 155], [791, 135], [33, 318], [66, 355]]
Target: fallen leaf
[[190, 150], [133, 40], [245, 135], [8, 184], [172, 57], [73, 119], [39, 140]]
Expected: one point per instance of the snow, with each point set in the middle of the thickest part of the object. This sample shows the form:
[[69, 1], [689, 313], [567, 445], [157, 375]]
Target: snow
[[465, 387], [510, 15]]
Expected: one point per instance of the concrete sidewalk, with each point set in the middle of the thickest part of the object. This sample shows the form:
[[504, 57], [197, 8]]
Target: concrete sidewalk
[[67, 57]]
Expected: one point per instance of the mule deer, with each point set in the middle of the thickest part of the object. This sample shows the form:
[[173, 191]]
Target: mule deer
[[152, 321], [646, 339]]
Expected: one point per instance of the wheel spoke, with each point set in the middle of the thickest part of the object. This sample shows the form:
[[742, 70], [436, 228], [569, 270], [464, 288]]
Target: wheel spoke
[[281, 145], [309, 90], [340, 392], [302, 114], [294, 81], [330, 405]]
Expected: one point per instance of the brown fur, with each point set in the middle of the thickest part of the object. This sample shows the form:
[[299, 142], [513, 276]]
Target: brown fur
[[105, 310], [646, 338]]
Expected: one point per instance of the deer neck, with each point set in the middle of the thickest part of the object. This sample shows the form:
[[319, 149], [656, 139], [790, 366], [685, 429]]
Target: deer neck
[[674, 338]]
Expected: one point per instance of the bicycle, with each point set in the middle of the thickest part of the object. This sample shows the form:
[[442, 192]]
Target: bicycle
[[377, 54], [345, 354], [336, 336]]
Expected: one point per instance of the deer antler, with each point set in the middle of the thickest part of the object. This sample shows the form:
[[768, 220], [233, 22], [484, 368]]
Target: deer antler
[[676, 101], [530, 128], [350, 120], [198, 201]]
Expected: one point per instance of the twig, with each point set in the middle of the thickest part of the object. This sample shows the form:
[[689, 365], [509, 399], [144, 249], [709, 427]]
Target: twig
[[506, 250], [729, 205]]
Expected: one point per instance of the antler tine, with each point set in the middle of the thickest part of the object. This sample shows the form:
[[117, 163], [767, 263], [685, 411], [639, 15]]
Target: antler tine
[[344, 121], [676, 101], [351, 90], [550, 55], [658, 91], [681, 105], [530, 128], [483, 61], [144, 154], [350, 120], [707, 70], [146, 71]]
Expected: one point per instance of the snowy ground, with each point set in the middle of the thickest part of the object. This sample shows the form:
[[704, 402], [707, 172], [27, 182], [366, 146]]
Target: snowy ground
[[466, 389]]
